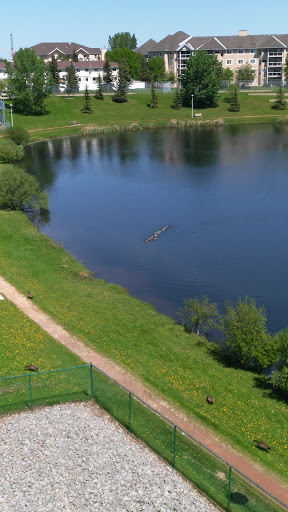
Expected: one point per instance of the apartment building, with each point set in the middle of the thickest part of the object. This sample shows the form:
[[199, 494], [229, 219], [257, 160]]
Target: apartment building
[[265, 53], [87, 73]]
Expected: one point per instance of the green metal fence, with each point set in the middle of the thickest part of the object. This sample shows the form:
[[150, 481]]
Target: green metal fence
[[220, 481]]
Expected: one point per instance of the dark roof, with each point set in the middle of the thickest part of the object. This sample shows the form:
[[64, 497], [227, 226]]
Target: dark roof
[[94, 64], [172, 43], [65, 48], [147, 47]]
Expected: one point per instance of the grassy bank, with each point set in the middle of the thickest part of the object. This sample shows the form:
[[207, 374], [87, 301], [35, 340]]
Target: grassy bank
[[152, 346], [61, 111]]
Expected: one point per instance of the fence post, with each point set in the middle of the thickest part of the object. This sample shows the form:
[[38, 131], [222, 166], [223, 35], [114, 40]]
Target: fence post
[[91, 380], [130, 410], [30, 386], [174, 458], [229, 491]]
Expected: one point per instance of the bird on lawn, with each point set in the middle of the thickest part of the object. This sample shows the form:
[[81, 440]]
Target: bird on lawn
[[262, 445], [32, 368], [210, 399], [30, 296]]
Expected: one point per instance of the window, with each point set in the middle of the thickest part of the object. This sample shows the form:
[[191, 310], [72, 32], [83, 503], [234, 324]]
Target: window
[[86, 70], [253, 50], [229, 52], [87, 79], [252, 61], [79, 79], [94, 78], [240, 51], [114, 69], [240, 61], [229, 62]]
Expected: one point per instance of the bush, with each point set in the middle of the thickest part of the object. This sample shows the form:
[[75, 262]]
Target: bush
[[198, 314], [9, 151], [18, 134], [20, 191], [247, 344]]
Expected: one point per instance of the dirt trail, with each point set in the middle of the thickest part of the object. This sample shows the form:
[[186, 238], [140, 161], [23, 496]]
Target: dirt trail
[[205, 436]]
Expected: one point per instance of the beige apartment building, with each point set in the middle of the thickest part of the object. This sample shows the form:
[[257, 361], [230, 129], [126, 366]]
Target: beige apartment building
[[265, 53]]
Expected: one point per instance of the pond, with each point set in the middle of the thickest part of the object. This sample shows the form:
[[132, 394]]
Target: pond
[[221, 191]]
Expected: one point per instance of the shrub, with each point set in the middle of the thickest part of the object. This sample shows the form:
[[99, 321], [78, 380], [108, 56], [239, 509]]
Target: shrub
[[18, 134], [9, 151], [20, 191], [247, 343]]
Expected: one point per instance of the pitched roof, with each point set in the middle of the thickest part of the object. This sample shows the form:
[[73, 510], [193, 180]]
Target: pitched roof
[[65, 48], [179, 39], [170, 43], [147, 47], [88, 64]]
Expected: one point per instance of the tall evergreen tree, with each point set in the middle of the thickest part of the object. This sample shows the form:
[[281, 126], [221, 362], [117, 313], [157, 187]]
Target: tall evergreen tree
[[99, 93], [177, 100], [71, 79], [74, 56], [86, 109], [53, 70], [120, 95], [107, 77], [280, 103], [154, 99], [234, 99]]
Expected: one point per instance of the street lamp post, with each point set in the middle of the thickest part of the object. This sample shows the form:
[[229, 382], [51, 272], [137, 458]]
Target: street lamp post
[[192, 96], [11, 105]]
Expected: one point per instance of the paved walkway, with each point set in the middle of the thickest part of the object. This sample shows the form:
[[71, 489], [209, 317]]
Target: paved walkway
[[124, 377]]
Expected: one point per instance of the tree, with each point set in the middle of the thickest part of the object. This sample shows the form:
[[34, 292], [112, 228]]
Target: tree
[[154, 100], [247, 343], [99, 93], [234, 99], [280, 102], [156, 69], [120, 95], [74, 56], [107, 77], [52, 67], [10, 151], [133, 60], [286, 67], [199, 314], [27, 80], [86, 109], [202, 78], [17, 134], [4, 84], [227, 75], [245, 73], [71, 79], [20, 191], [122, 40], [279, 377], [177, 100]]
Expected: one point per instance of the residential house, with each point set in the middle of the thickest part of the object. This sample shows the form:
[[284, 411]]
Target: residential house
[[87, 73], [60, 50]]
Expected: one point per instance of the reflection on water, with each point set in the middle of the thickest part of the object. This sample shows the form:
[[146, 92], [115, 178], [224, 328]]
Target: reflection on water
[[222, 191]]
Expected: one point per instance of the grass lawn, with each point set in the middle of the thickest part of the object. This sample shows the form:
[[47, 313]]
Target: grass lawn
[[62, 110], [179, 365]]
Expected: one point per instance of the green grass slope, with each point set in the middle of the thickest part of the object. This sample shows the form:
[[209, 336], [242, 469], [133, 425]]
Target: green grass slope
[[152, 346]]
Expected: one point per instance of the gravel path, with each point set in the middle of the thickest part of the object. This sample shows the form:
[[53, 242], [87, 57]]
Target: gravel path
[[74, 457]]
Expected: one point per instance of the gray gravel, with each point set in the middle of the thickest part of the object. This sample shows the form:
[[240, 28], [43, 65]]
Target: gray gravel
[[74, 457]]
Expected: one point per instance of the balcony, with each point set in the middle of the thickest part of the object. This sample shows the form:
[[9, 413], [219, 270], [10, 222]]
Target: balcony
[[275, 54], [274, 74], [275, 64]]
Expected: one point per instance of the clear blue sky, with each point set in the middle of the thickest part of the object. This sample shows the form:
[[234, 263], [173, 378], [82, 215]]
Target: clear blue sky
[[91, 23]]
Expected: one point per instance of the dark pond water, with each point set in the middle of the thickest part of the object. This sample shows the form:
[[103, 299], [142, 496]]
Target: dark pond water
[[223, 193]]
